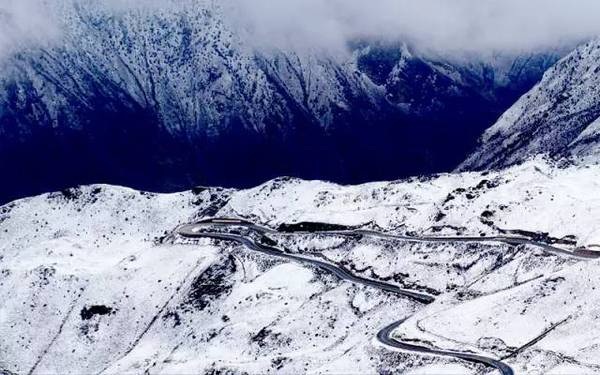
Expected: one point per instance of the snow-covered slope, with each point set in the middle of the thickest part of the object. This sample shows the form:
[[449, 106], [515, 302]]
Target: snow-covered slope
[[157, 97], [95, 278], [559, 116]]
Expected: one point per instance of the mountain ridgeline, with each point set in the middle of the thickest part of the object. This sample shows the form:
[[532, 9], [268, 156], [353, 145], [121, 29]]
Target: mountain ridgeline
[[167, 99], [559, 117]]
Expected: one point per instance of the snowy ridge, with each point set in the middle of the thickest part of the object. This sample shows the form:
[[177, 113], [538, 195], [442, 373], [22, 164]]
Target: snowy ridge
[[535, 197]]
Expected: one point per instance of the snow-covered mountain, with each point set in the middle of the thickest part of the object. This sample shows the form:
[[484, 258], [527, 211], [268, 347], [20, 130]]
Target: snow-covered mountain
[[96, 279], [559, 116], [157, 97]]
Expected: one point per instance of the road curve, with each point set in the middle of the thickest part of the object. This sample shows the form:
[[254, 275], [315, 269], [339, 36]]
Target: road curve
[[384, 336]]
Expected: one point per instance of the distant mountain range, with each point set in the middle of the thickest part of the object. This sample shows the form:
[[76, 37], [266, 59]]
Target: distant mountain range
[[165, 100]]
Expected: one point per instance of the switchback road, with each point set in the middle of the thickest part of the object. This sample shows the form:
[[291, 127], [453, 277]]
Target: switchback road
[[384, 336]]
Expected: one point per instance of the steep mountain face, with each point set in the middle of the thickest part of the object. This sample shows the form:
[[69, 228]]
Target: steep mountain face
[[97, 279], [163, 99], [560, 116]]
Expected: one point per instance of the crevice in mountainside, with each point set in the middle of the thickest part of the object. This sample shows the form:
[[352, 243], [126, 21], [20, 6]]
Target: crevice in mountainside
[[47, 349], [537, 339], [160, 312]]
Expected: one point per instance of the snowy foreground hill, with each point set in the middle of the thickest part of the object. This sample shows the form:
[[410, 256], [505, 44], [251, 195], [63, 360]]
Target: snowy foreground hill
[[97, 279]]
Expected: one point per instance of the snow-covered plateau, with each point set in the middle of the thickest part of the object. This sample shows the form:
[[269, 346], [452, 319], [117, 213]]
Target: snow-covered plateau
[[97, 279]]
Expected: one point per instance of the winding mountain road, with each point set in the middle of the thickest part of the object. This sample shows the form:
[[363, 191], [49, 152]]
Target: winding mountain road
[[500, 239], [509, 240], [384, 336], [335, 270]]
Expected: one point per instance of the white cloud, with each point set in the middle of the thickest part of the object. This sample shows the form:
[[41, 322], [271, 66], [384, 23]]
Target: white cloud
[[443, 25], [461, 25], [24, 23]]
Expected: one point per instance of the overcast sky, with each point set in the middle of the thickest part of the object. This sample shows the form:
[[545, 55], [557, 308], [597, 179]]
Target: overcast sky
[[444, 25], [463, 25], [22, 23]]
